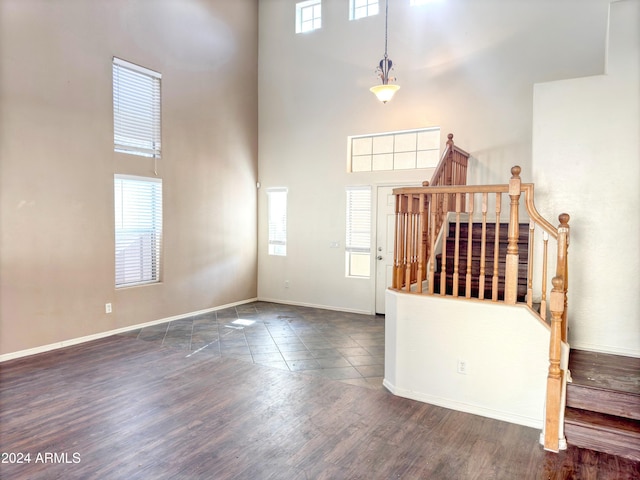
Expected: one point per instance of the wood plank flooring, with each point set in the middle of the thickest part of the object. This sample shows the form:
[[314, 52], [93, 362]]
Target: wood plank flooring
[[124, 408]]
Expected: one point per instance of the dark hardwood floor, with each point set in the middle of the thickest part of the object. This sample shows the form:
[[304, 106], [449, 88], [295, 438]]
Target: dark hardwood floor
[[125, 408]]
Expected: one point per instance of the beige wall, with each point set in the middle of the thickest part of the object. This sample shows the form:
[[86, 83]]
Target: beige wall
[[57, 161]]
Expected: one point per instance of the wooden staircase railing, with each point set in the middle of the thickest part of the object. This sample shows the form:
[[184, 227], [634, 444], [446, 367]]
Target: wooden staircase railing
[[451, 170], [421, 213]]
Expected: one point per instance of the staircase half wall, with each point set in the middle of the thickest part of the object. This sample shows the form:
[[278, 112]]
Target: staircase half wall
[[478, 357]]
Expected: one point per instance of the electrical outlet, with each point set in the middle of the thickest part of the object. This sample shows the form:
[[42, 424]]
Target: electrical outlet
[[286, 284], [107, 308], [462, 366]]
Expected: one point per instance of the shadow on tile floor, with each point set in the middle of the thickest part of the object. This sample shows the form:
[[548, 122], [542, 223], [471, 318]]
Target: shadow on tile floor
[[340, 346]]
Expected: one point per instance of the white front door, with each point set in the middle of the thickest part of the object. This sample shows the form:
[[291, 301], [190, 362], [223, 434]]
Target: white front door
[[385, 241]]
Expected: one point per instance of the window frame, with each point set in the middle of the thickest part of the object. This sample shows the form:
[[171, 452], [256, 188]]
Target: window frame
[[137, 109], [358, 239], [144, 267], [396, 155], [363, 8], [277, 230], [315, 21]]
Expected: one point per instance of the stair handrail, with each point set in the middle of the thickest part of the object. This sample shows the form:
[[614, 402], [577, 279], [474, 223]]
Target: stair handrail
[[452, 168]]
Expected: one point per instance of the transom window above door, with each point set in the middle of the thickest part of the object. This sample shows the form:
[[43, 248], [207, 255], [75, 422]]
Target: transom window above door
[[402, 150]]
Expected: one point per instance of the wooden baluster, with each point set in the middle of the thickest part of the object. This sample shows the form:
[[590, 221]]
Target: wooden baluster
[[563, 265], [456, 249], [483, 246], [532, 229], [555, 375], [434, 219], [407, 273], [543, 301], [422, 244], [469, 247], [445, 236], [417, 242], [396, 246], [401, 240], [512, 261], [425, 232], [496, 250]]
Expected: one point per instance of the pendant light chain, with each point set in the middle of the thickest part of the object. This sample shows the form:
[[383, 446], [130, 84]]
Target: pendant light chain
[[386, 26]]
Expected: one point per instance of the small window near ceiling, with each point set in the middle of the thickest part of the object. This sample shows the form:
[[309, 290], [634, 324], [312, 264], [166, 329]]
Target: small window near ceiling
[[362, 8], [138, 229], [136, 109], [403, 150], [308, 16], [358, 238], [277, 220]]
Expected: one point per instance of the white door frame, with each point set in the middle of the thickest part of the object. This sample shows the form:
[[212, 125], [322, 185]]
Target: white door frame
[[378, 291]]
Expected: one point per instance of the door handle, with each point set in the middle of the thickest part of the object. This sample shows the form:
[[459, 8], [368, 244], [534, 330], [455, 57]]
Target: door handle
[[379, 257]]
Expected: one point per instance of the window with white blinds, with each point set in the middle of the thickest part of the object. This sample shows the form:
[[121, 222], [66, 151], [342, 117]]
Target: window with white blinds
[[358, 241], [136, 109], [138, 227], [277, 220]]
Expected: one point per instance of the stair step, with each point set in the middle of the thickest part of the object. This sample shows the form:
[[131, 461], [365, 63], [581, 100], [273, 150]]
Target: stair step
[[476, 246], [603, 433], [603, 403], [490, 228], [602, 400], [604, 383]]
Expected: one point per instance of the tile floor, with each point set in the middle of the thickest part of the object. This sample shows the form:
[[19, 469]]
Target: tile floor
[[341, 346]]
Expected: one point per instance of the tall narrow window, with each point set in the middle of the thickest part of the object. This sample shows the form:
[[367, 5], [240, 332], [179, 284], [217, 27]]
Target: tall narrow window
[[362, 8], [136, 109], [308, 16], [358, 241], [138, 215], [277, 213]]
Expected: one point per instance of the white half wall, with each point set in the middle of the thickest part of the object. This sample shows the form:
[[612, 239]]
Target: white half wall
[[504, 348], [586, 152]]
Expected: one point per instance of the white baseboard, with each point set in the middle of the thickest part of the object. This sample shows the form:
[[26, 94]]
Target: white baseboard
[[625, 352], [313, 305], [75, 341], [536, 423]]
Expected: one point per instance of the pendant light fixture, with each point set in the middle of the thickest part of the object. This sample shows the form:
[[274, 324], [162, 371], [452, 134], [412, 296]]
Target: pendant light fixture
[[385, 91]]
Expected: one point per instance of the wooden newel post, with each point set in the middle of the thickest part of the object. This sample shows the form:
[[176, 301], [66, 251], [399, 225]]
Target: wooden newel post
[[562, 267], [511, 273], [448, 167], [555, 375]]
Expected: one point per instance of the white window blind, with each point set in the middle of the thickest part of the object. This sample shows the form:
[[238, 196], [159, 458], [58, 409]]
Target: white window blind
[[362, 8], [308, 16], [138, 227], [358, 241], [277, 220], [136, 109]]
